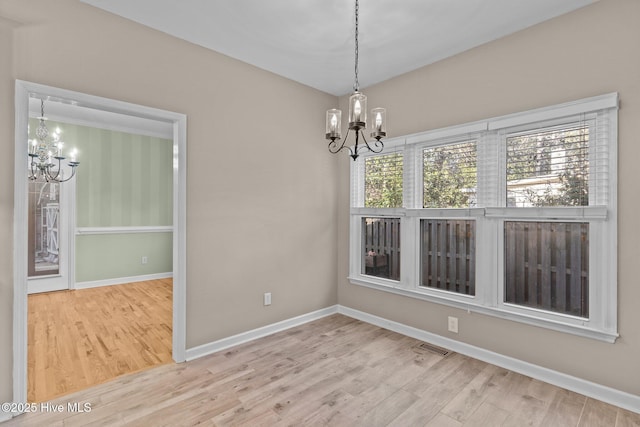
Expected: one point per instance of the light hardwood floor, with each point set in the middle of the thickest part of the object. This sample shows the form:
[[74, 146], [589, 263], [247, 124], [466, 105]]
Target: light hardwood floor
[[80, 338], [335, 371]]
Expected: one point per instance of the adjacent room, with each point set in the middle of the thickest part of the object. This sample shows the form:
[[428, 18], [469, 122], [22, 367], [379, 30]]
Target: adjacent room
[[319, 213], [99, 250]]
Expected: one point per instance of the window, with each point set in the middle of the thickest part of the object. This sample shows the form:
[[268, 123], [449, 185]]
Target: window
[[513, 216], [546, 263]]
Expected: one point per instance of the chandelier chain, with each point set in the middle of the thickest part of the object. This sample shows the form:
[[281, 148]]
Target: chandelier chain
[[356, 84]]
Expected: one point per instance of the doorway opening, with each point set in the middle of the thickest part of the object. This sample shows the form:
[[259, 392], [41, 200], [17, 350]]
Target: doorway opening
[[49, 231]]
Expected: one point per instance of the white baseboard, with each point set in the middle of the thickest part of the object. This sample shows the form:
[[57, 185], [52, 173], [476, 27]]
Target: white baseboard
[[578, 385], [215, 346], [5, 416], [122, 280]]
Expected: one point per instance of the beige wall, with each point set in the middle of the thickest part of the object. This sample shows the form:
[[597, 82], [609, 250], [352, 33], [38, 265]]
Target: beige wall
[[589, 52], [262, 201]]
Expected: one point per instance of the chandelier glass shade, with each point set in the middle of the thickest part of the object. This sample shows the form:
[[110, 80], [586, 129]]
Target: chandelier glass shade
[[45, 154], [357, 117]]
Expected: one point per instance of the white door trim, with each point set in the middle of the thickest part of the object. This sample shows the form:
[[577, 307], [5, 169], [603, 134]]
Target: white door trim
[[23, 89]]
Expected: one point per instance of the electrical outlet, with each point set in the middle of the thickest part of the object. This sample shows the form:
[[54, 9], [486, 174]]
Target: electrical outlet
[[267, 298], [144, 260], [453, 324]]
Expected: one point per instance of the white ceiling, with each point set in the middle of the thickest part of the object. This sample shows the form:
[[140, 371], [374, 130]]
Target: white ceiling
[[311, 41]]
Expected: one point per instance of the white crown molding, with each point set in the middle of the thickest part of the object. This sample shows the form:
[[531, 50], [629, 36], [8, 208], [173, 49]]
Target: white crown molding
[[72, 113]]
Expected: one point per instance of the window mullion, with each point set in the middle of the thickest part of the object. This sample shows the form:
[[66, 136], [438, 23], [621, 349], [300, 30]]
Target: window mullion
[[357, 183], [409, 253], [489, 263], [411, 181], [501, 165], [489, 173], [412, 199]]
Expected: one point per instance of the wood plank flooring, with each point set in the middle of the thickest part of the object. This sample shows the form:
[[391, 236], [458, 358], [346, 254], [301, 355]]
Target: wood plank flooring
[[335, 371], [80, 338]]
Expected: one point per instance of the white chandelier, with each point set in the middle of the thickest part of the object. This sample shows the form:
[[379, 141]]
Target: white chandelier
[[44, 150], [357, 118]]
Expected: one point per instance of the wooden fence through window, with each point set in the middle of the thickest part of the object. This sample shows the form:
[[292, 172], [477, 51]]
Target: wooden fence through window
[[448, 255], [547, 265], [381, 247]]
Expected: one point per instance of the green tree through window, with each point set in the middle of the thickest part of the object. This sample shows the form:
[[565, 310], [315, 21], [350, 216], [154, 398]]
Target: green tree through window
[[450, 176], [383, 181], [549, 168]]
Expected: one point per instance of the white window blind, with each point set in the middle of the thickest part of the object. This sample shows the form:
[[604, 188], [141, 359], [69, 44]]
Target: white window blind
[[450, 176], [383, 181], [549, 166]]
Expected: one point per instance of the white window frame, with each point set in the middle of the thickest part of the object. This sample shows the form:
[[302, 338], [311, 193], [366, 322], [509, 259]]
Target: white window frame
[[491, 213]]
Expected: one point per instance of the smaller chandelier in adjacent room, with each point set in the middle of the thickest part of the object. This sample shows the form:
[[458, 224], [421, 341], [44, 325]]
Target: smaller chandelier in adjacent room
[[45, 154], [357, 118]]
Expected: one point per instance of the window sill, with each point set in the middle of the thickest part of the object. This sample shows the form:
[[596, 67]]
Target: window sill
[[471, 306]]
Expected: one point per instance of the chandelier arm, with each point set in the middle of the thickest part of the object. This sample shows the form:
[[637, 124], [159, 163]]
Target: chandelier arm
[[73, 173], [51, 178], [55, 178], [333, 146], [33, 173], [48, 175], [379, 145]]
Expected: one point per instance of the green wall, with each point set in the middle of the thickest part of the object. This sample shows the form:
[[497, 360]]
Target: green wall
[[124, 180], [109, 256]]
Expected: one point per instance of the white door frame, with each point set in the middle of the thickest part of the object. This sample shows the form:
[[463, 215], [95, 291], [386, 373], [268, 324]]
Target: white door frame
[[23, 89]]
